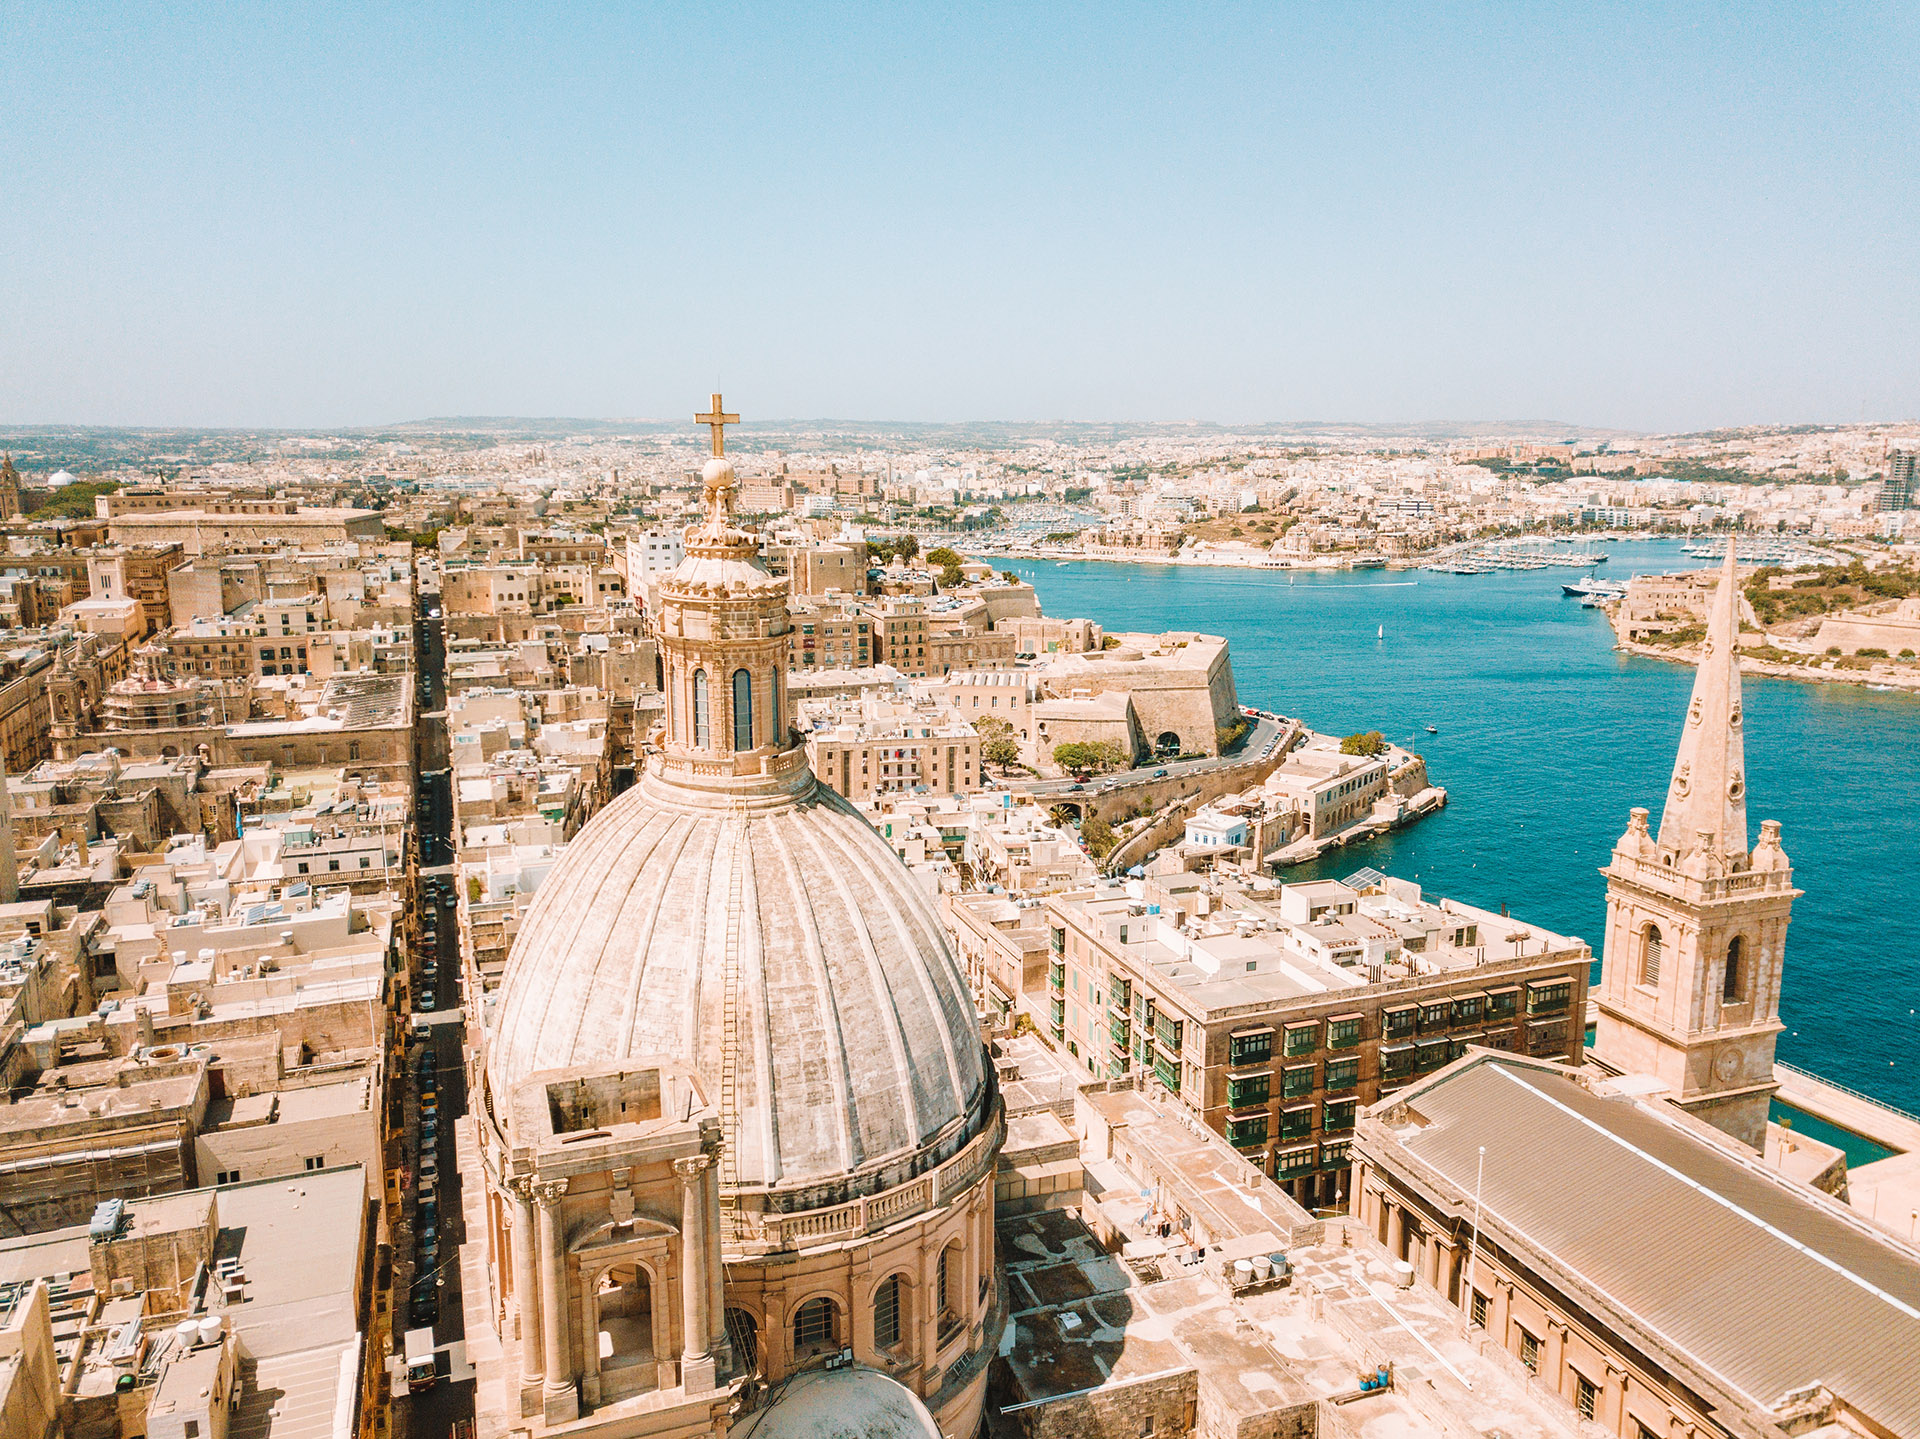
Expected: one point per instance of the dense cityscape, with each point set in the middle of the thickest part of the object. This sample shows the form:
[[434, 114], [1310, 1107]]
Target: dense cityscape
[[538, 931], [960, 722]]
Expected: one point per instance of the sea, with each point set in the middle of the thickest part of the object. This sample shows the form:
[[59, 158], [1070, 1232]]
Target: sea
[[1546, 737]]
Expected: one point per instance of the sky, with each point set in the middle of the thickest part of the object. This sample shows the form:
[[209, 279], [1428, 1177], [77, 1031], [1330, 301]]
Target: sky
[[1636, 216]]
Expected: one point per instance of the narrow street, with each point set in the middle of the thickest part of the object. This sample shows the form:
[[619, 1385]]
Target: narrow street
[[427, 1243]]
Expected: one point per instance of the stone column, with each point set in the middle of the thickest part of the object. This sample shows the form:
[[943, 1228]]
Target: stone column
[[526, 1296], [1447, 1267], [722, 1344], [1396, 1229], [560, 1402], [697, 1369], [1502, 1309], [1613, 1398], [1554, 1362]]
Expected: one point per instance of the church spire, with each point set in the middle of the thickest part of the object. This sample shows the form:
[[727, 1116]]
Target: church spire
[[1707, 800]]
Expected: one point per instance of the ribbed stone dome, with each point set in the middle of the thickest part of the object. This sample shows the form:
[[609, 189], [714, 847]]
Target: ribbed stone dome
[[766, 933]]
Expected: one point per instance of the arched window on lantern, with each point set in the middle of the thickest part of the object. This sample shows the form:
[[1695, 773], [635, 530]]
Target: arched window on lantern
[[1650, 956], [701, 736], [742, 711], [1733, 984]]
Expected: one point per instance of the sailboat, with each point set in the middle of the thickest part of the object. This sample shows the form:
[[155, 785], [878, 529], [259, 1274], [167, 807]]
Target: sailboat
[[1383, 633]]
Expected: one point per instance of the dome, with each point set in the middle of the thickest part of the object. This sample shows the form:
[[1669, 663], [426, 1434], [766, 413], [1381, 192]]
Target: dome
[[769, 936], [851, 1403]]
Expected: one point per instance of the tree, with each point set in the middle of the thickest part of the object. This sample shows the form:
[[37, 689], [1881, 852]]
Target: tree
[[1099, 836], [1091, 756], [951, 578], [1370, 743], [943, 557], [992, 727], [1002, 753]]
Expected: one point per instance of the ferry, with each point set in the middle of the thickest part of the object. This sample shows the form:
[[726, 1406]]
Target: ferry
[[1591, 588]]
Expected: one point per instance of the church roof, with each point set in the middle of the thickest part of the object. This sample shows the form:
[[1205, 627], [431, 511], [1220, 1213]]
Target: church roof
[[1762, 1284], [778, 945]]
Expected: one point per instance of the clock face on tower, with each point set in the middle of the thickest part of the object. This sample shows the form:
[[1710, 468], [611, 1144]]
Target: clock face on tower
[[1726, 1064]]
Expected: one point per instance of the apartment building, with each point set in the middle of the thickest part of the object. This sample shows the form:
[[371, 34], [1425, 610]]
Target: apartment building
[[1274, 1015], [900, 635], [881, 753], [826, 636]]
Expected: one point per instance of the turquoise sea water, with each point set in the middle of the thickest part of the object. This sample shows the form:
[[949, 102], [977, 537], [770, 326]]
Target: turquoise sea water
[[1547, 737]]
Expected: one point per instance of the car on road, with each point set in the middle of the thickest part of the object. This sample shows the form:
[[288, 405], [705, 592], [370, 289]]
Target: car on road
[[425, 1307], [1075, 788], [447, 903], [428, 1000]]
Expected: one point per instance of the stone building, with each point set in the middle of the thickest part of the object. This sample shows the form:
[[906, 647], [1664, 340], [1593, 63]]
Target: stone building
[[1274, 1018], [1650, 1272], [1697, 924], [736, 1116], [1181, 686]]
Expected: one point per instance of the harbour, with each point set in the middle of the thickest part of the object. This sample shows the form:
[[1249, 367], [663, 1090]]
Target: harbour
[[1547, 736]]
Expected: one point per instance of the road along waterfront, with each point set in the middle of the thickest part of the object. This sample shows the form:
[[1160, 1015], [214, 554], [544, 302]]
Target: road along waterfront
[[1547, 737]]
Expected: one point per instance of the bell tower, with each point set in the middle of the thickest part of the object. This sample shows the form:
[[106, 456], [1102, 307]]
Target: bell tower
[[1696, 925]]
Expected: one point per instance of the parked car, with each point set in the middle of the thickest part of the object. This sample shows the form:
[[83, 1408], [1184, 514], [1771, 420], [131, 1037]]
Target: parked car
[[428, 1000]]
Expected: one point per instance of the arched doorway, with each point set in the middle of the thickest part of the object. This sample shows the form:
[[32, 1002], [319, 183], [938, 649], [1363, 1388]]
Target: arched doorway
[[744, 1335], [1167, 746], [624, 1301]]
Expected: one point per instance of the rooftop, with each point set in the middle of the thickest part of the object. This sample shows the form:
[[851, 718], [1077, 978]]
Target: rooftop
[[1721, 1259]]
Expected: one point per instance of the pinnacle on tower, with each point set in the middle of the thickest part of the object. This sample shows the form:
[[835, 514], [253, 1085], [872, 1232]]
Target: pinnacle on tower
[[1707, 799]]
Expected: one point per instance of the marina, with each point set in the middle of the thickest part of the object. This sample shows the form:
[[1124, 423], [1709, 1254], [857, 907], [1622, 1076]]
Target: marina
[[1529, 552]]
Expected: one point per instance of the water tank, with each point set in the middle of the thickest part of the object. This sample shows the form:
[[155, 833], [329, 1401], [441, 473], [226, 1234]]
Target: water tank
[[106, 1220], [186, 1331], [211, 1328], [1242, 1271], [1402, 1274], [1262, 1267]]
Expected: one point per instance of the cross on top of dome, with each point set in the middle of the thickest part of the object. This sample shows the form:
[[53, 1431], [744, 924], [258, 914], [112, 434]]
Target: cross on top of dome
[[717, 420]]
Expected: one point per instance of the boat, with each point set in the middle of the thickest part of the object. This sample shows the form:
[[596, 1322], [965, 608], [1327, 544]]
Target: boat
[[1433, 729], [1383, 633], [1590, 587]]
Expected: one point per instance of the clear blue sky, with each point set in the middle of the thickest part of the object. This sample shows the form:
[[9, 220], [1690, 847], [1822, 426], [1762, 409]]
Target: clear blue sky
[[1636, 215]]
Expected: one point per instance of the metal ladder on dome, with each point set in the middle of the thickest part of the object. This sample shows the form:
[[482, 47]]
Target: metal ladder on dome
[[730, 1023]]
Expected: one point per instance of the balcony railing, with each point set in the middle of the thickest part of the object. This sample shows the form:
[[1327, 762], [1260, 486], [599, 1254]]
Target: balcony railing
[[759, 1232]]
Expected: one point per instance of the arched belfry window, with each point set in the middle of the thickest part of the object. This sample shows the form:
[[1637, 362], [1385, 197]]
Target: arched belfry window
[[1650, 956], [742, 711], [701, 734], [1733, 985], [776, 716]]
